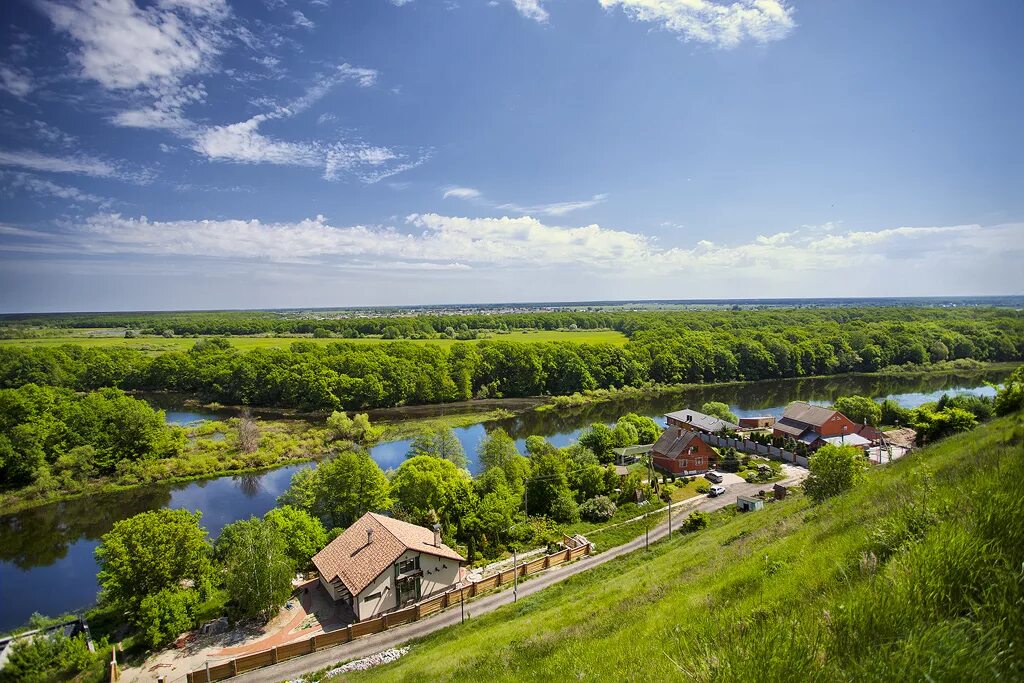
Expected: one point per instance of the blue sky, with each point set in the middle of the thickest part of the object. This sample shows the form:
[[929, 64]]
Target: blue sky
[[210, 154]]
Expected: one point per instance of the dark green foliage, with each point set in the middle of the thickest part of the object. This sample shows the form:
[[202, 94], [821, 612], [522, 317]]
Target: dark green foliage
[[663, 347], [340, 490], [48, 431], [303, 534], [564, 509], [45, 659], [860, 409], [1010, 398], [730, 460], [152, 552], [600, 439]]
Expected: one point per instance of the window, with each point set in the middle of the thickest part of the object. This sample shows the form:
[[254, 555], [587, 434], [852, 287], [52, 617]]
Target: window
[[406, 566], [700, 462], [372, 596]]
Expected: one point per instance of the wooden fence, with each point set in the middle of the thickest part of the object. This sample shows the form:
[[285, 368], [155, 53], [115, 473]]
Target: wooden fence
[[452, 597]]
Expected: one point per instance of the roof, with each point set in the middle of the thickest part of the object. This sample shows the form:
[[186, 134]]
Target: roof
[[801, 411], [870, 432], [789, 428], [674, 441], [621, 471], [357, 563], [809, 436], [750, 499], [706, 422], [848, 440]]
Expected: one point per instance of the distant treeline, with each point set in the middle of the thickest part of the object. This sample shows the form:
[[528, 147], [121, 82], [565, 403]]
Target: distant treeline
[[667, 348]]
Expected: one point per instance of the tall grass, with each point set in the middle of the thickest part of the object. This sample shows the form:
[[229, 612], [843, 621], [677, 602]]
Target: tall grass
[[918, 574]]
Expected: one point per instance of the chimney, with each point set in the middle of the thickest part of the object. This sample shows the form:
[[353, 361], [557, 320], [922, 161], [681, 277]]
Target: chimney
[[689, 418], [437, 535], [369, 536]]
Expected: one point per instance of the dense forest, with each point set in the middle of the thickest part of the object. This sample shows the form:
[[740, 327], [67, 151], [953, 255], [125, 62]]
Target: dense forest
[[664, 348]]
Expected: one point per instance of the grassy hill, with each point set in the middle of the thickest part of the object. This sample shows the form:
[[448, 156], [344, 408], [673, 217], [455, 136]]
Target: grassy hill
[[917, 574]]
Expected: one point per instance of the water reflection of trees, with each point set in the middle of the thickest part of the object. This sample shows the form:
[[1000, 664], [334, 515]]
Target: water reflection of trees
[[41, 536], [750, 396], [250, 484]]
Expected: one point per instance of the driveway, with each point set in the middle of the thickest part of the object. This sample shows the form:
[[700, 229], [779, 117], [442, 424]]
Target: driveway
[[366, 646]]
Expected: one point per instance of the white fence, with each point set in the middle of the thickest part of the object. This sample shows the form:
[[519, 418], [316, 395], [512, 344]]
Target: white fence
[[755, 448]]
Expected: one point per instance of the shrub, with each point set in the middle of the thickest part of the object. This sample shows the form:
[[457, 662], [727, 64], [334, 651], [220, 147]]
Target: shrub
[[598, 509], [564, 508], [47, 658], [703, 487], [164, 616], [696, 521]]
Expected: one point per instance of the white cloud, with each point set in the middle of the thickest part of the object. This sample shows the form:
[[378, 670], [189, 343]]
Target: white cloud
[[16, 81], [24, 182], [555, 208], [34, 161], [725, 24], [460, 193], [123, 47], [552, 209], [299, 19], [531, 9]]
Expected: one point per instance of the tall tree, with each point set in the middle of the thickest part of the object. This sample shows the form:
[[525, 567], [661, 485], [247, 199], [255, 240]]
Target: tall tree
[[859, 409], [439, 441], [303, 533], [834, 469], [719, 410], [258, 568], [150, 552], [340, 490]]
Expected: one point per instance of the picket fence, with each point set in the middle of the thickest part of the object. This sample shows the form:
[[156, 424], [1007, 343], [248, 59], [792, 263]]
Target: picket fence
[[454, 596]]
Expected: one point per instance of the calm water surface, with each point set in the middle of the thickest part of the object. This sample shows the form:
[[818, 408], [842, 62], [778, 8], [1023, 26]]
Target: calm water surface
[[46, 554]]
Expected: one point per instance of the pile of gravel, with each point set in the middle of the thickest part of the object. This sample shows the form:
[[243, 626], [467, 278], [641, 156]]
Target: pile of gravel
[[385, 657]]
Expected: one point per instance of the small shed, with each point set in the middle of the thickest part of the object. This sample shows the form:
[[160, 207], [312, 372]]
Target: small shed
[[757, 422], [749, 503]]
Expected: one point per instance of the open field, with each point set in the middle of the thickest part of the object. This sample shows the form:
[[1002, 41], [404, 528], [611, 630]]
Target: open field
[[99, 338], [882, 583]]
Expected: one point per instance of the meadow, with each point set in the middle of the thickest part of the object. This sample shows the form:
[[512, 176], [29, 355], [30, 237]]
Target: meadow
[[103, 338], [913, 575]]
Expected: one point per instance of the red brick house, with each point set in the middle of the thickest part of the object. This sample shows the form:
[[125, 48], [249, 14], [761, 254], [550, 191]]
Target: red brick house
[[759, 422], [812, 425], [681, 451]]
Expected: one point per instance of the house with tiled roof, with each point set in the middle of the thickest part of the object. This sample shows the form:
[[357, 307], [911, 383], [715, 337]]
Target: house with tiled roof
[[682, 451], [698, 422], [380, 564], [815, 426]]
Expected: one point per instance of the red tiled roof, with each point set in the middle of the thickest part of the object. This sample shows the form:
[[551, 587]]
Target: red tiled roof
[[357, 563]]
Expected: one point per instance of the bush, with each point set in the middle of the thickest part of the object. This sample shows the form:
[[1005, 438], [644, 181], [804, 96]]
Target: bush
[[564, 508], [166, 615], [696, 521], [703, 487], [45, 659], [598, 509]]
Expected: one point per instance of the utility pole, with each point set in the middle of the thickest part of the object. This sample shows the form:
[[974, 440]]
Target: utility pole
[[647, 532], [515, 576], [462, 603]]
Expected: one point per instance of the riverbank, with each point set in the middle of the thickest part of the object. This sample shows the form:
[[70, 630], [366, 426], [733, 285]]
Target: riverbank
[[595, 396]]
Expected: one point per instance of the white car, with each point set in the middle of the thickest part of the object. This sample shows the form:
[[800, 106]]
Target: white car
[[716, 491]]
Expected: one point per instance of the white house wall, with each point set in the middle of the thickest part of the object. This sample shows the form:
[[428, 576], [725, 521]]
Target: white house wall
[[439, 573]]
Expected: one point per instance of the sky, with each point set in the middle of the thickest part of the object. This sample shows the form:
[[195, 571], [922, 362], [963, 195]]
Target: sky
[[207, 154]]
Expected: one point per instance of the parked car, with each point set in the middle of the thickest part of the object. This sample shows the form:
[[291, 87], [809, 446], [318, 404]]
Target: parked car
[[716, 491], [713, 477]]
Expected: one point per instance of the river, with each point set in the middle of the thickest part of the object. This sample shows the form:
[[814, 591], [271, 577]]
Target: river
[[46, 553]]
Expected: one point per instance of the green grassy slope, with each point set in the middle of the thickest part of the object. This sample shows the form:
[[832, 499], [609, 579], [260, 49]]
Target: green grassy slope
[[918, 574]]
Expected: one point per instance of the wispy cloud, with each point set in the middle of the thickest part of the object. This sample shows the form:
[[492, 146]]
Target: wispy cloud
[[23, 182], [474, 196], [15, 80], [725, 24], [300, 20], [532, 9], [35, 161]]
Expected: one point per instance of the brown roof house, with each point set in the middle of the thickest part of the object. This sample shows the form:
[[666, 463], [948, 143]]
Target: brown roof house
[[379, 564], [698, 422], [681, 451], [815, 426]]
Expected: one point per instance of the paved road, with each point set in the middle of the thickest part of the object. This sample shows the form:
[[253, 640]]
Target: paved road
[[368, 645]]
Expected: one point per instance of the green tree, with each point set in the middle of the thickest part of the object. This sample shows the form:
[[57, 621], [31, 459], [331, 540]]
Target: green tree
[[357, 429], [303, 533], [647, 430], [859, 409], [600, 439], [599, 509], [624, 434], [150, 552], [165, 615], [719, 410], [564, 508], [497, 450], [340, 490], [1010, 398], [258, 568], [41, 660], [425, 486], [439, 441], [834, 469]]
